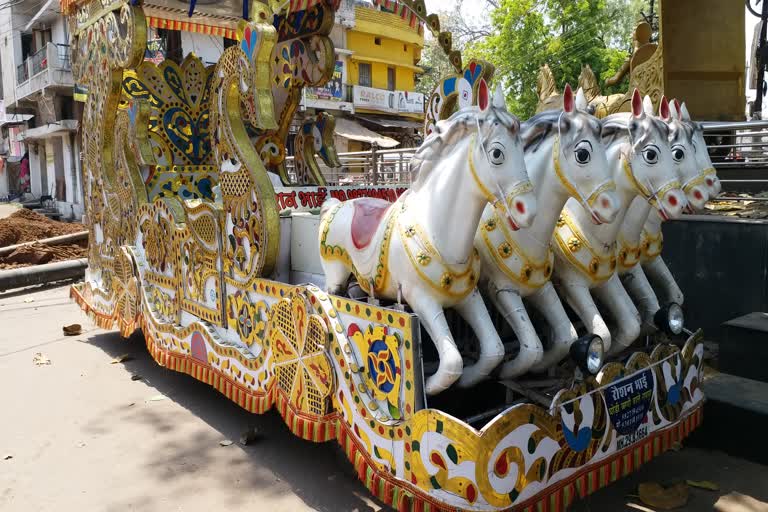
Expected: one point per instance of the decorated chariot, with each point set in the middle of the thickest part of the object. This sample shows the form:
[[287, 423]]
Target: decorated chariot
[[485, 339]]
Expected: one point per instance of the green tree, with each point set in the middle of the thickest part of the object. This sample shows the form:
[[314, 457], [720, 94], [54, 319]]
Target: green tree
[[565, 34]]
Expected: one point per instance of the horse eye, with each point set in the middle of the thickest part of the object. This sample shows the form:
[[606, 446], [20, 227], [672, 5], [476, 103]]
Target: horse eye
[[650, 156], [497, 156], [678, 154], [582, 156]]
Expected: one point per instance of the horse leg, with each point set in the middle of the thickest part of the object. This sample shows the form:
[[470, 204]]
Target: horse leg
[[432, 317], [336, 276], [546, 301], [577, 294], [616, 299], [640, 290], [509, 303], [658, 273]]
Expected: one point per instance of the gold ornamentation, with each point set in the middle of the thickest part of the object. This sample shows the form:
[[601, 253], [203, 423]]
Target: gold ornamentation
[[490, 225], [423, 258], [455, 281], [505, 250], [299, 340], [598, 265]]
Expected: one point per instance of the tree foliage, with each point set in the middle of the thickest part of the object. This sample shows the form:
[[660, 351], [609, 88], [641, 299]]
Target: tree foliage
[[522, 35]]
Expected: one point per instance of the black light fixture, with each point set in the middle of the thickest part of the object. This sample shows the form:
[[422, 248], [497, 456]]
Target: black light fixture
[[588, 352], [670, 319]]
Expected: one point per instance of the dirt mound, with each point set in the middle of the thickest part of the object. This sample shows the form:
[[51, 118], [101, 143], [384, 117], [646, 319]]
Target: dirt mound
[[27, 226], [38, 254]]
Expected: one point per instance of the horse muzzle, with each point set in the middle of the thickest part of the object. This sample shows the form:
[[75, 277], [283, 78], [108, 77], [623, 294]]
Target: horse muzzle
[[604, 206]]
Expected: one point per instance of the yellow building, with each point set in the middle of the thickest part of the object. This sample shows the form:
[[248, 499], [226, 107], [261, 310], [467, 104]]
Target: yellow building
[[385, 52]]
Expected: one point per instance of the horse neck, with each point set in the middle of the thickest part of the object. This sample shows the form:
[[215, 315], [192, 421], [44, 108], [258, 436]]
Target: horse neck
[[448, 206], [634, 220], [550, 198]]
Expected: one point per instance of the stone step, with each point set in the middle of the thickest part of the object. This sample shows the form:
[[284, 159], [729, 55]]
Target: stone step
[[743, 347], [735, 417]]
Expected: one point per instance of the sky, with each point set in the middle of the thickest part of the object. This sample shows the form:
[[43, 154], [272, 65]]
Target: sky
[[470, 7]]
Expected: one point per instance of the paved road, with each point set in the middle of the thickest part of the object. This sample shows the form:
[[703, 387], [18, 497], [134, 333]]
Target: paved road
[[84, 436]]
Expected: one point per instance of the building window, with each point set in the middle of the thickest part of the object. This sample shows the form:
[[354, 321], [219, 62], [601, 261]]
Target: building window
[[391, 78], [365, 78]]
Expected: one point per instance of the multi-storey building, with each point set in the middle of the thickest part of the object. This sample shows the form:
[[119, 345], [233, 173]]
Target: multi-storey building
[[37, 86], [372, 94]]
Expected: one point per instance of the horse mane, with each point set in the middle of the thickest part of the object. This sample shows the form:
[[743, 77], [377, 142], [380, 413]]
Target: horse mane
[[545, 83], [444, 139], [538, 128], [616, 124], [588, 82], [679, 129]]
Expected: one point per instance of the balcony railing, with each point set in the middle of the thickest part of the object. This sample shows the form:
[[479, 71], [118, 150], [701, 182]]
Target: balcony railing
[[49, 66], [372, 167]]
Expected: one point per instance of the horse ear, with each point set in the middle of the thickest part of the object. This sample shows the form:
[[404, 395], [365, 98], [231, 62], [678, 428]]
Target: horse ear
[[483, 95], [648, 106], [637, 104], [498, 99], [568, 102], [581, 100], [684, 115], [674, 109], [664, 111]]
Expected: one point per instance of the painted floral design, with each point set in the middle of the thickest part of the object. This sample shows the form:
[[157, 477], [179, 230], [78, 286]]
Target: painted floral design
[[298, 341], [383, 371]]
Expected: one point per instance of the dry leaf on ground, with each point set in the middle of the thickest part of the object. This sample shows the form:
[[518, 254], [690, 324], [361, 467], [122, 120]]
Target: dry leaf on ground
[[121, 359], [40, 359], [7, 457], [72, 330], [136, 377], [703, 484], [225, 442], [664, 498]]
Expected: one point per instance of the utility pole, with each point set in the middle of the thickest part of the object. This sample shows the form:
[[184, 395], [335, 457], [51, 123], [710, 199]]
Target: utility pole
[[762, 54]]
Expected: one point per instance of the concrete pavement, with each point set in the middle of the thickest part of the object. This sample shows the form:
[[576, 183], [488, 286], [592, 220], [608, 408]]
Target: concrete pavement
[[82, 435]]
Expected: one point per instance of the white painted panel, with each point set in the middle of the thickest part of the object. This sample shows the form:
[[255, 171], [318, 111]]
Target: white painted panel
[[305, 255]]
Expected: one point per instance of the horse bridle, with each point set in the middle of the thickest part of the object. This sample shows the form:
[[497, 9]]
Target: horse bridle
[[589, 201], [496, 201]]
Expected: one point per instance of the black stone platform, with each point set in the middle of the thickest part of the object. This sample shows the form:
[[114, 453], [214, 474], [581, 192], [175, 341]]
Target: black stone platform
[[744, 347], [735, 417]]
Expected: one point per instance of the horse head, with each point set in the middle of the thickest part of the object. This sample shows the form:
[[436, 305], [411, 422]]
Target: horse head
[[701, 155], [683, 153], [578, 156], [496, 160], [647, 167]]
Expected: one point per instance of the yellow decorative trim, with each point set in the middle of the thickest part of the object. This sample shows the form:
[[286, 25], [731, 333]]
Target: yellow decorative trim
[[521, 269], [521, 188], [605, 187], [335, 252], [629, 255], [651, 196], [651, 245], [456, 284], [575, 247]]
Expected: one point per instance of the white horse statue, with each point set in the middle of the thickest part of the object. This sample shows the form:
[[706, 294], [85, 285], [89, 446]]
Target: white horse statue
[[651, 242], [639, 214], [585, 254], [422, 246], [565, 158]]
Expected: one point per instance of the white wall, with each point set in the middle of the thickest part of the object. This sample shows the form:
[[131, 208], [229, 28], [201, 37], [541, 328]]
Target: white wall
[[208, 48], [34, 172]]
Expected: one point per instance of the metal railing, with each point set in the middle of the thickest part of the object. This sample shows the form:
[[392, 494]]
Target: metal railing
[[39, 61], [22, 73], [373, 167], [737, 144]]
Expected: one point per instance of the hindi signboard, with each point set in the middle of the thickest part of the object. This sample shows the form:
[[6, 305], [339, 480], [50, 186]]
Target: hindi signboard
[[310, 199], [628, 401]]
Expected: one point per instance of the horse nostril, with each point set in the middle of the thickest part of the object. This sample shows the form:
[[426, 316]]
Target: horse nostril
[[672, 200], [605, 203], [520, 207], [697, 194], [710, 182]]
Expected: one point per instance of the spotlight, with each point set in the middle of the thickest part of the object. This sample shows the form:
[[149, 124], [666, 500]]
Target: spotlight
[[589, 353]]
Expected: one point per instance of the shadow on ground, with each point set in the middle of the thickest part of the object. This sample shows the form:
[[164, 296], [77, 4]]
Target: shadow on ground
[[319, 474]]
